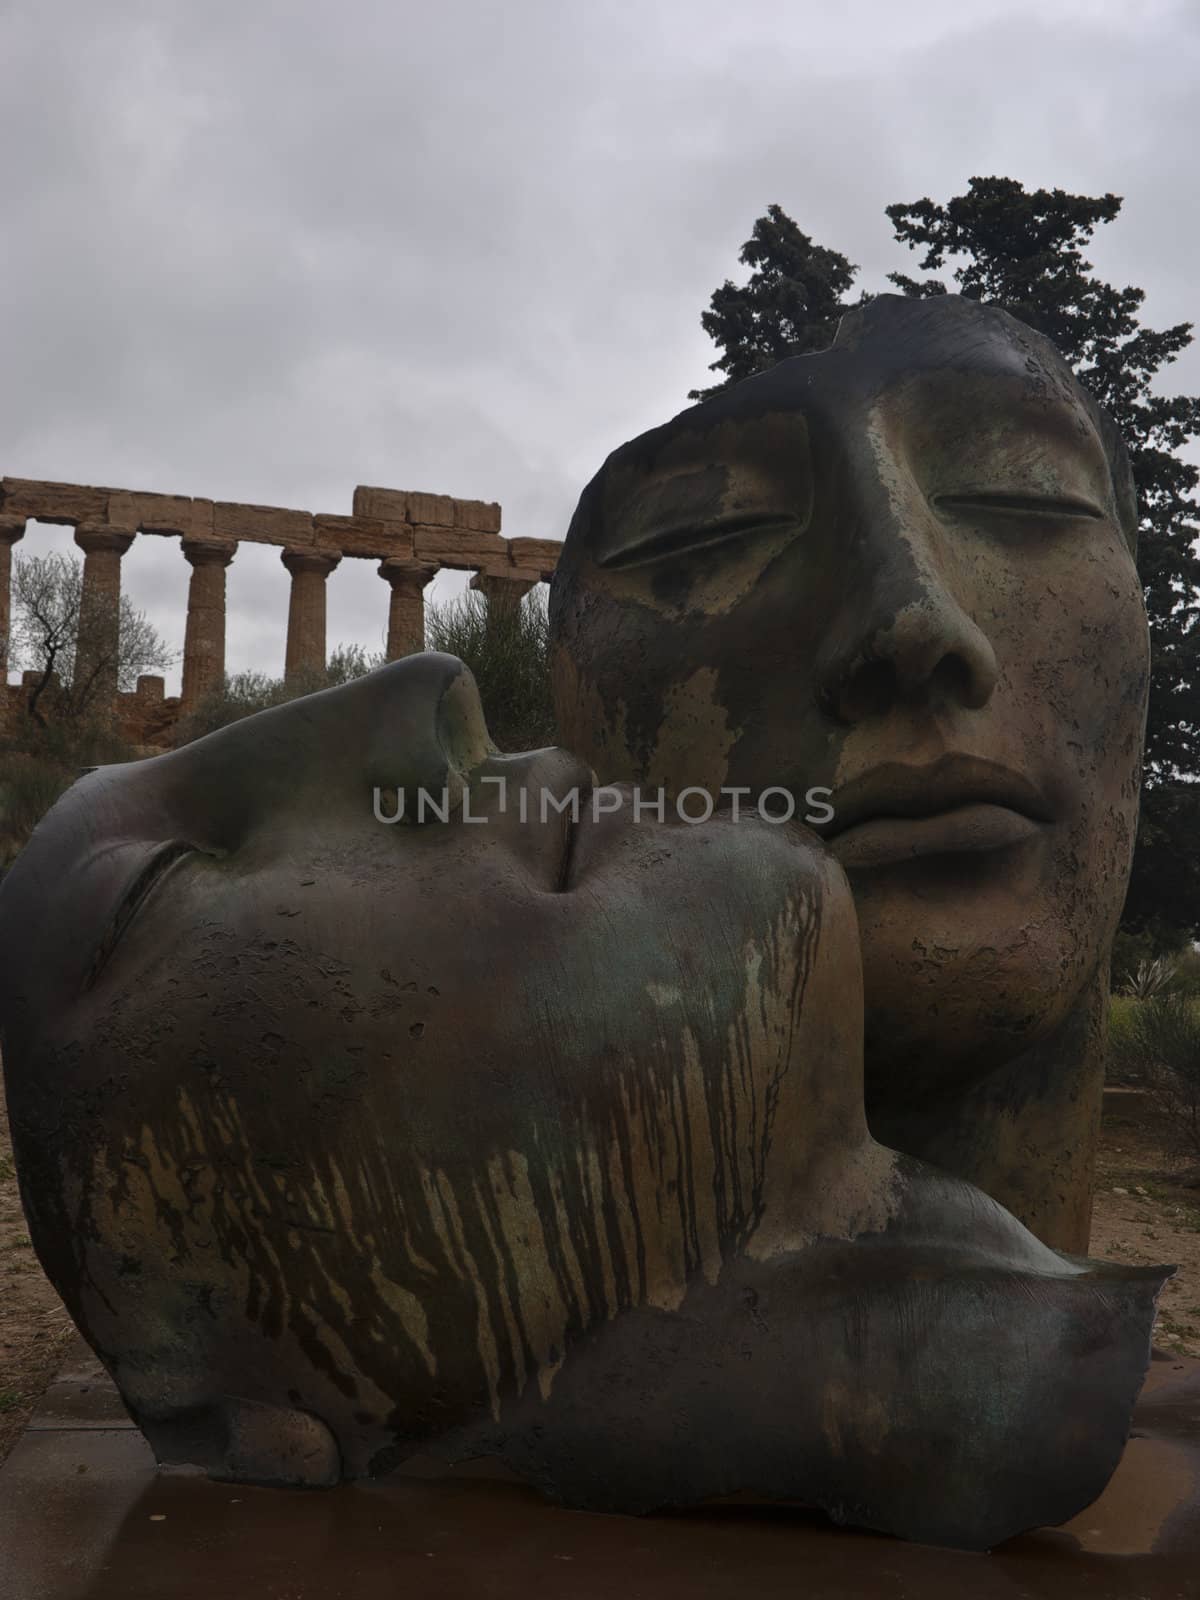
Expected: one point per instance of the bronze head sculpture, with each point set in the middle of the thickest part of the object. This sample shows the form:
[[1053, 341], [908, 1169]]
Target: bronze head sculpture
[[540, 1133], [902, 570]]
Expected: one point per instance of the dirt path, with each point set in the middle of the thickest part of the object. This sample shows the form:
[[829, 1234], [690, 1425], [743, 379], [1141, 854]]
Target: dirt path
[[1142, 1215]]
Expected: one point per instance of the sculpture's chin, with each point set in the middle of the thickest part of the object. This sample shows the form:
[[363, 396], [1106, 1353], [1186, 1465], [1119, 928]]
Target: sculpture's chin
[[910, 1061], [840, 1377], [972, 991]]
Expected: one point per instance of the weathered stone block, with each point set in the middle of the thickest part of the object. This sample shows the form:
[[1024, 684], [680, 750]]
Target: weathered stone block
[[541, 554], [44, 501], [202, 518], [262, 524], [389, 505], [172, 515], [458, 548], [480, 516], [437, 509], [369, 537]]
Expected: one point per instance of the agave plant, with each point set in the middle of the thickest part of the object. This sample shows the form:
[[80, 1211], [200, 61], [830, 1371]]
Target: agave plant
[[1150, 978]]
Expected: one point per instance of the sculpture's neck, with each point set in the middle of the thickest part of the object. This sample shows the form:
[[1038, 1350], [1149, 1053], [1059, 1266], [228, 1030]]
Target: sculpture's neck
[[1026, 1133]]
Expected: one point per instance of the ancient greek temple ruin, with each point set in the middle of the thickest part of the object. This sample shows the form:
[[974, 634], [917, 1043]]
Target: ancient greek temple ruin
[[412, 536]]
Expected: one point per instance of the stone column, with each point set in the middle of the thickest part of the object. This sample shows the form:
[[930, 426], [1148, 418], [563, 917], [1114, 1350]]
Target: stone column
[[406, 607], [306, 611], [204, 638], [144, 710], [11, 529], [503, 594], [100, 606]]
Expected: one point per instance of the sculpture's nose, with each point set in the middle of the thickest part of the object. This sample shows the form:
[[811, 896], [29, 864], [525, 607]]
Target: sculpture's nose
[[904, 634], [927, 648]]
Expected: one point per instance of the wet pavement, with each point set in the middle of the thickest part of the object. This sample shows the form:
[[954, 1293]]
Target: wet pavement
[[85, 1515]]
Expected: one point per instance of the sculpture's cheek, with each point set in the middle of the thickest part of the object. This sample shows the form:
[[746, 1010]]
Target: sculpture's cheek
[[1069, 626]]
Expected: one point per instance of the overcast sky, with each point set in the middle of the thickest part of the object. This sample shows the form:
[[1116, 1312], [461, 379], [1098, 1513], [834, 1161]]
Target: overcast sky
[[266, 251]]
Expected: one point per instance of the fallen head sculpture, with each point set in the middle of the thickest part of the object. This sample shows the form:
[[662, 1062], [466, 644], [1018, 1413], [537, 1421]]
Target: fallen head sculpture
[[901, 570], [344, 1141], [522, 1132]]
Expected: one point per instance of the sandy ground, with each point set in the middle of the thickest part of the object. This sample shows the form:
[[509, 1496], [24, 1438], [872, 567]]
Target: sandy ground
[[1142, 1214], [34, 1326]]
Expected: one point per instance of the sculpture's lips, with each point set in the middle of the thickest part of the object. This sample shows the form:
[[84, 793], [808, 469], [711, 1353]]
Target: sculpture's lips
[[967, 829], [957, 805]]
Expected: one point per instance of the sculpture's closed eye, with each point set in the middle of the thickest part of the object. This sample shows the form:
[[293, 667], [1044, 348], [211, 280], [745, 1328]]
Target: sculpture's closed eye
[[146, 878], [1018, 505], [686, 538]]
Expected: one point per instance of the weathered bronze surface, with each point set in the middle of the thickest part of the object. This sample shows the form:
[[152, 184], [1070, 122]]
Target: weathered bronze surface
[[902, 569], [513, 1136]]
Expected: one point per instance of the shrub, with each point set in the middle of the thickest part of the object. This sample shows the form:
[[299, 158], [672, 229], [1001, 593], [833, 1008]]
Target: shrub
[[1159, 1042], [509, 654], [28, 788], [1187, 972], [39, 764], [349, 661], [1128, 949], [1118, 1065], [241, 695]]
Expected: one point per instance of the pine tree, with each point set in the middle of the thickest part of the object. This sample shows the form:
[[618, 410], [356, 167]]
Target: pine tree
[[791, 303]]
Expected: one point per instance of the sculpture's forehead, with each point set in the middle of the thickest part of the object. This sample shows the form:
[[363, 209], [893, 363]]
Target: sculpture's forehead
[[927, 366], [948, 388]]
